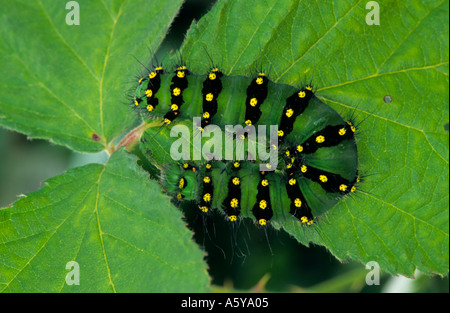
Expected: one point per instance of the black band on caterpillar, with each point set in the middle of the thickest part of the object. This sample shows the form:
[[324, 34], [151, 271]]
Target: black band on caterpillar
[[299, 206], [295, 105], [262, 210], [153, 85], [207, 191], [330, 182], [179, 83], [212, 86], [232, 203], [256, 94], [328, 137]]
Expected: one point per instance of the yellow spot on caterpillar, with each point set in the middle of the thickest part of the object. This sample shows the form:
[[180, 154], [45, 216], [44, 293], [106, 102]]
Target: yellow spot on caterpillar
[[183, 67], [299, 148], [209, 97], [208, 166], [152, 75], [236, 181], [180, 74], [148, 93], [185, 165], [150, 107], [215, 69], [264, 182], [136, 102], [263, 204], [253, 102], [207, 179], [342, 131], [304, 168], [204, 209], [248, 122], [174, 107], [292, 160], [297, 202], [236, 164], [259, 81], [207, 197], [288, 153], [320, 139], [301, 94], [206, 115], [181, 183], [288, 166], [140, 80], [232, 218], [262, 74], [167, 121], [176, 91], [353, 128], [179, 196], [310, 222], [343, 187], [292, 181], [357, 179], [280, 133], [289, 112], [308, 88], [159, 68], [353, 189], [323, 178], [262, 222], [234, 203], [212, 76]]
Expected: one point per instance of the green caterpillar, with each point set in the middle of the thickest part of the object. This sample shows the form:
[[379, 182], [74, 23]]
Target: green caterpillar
[[317, 159]]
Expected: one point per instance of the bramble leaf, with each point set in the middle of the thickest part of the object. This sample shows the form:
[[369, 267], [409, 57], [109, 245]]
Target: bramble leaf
[[400, 218], [68, 83], [113, 221]]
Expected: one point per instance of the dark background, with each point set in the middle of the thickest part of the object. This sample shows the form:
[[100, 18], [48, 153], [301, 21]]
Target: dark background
[[258, 261]]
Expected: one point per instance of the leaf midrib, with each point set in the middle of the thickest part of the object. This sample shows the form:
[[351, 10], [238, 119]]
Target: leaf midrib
[[105, 63], [376, 75], [391, 121], [99, 80], [100, 232]]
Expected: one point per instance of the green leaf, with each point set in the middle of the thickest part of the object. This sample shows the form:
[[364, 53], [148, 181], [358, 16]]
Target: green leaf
[[112, 220], [401, 218], [68, 83]]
